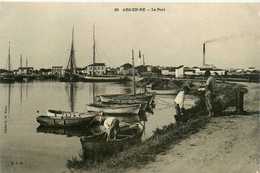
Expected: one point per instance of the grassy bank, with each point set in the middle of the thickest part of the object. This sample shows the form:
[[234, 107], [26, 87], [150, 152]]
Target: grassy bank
[[162, 139]]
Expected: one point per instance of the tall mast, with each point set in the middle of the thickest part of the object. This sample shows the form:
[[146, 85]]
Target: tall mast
[[204, 61], [144, 75], [26, 62], [140, 56], [9, 59], [133, 59], [71, 67], [72, 52], [72, 99], [21, 60], [94, 50]]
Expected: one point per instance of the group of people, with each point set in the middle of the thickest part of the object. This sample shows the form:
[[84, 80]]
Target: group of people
[[111, 124], [210, 94]]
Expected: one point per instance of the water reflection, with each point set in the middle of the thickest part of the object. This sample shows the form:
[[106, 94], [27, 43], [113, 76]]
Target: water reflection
[[21, 91], [71, 90], [22, 142], [9, 98], [7, 108], [69, 131]]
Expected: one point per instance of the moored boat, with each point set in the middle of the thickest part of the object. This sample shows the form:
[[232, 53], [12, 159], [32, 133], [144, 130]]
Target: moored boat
[[98, 142], [104, 78], [114, 109], [67, 119], [58, 113], [143, 104], [123, 97], [166, 92]]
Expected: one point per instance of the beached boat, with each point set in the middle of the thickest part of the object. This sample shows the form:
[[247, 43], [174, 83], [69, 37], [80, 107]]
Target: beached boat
[[114, 109], [99, 142], [67, 119], [166, 92]]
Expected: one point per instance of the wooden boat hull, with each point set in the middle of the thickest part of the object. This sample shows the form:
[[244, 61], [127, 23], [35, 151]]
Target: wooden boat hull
[[104, 78], [58, 113], [99, 143], [166, 92], [123, 98], [67, 121], [63, 121], [126, 109], [126, 102]]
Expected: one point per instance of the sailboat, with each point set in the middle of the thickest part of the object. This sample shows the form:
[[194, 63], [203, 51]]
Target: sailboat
[[70, 71], [128, 97], [8, 77], [101, 78]]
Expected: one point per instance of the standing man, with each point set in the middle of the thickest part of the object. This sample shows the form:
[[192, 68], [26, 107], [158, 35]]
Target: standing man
[[179, 105], [210, 94]]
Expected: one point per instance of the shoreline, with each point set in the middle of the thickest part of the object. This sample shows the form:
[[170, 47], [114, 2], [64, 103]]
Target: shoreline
[[226, 144], [163, 139]]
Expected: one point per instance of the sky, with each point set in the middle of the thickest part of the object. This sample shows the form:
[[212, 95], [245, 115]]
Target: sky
[[42, 32]]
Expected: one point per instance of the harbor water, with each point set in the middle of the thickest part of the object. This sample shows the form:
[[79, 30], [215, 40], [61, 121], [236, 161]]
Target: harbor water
[[26, 147]]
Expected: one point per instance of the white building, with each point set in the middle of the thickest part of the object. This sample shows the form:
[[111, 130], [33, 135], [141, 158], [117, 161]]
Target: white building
[[179, 72], [219, 72], [251, 69], [189, 72], [149, 68], [170, 71], [25, 70], [126, 69], [57, 70], [98, 68]]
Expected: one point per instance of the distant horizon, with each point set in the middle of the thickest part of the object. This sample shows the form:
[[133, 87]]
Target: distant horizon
[[171, 37]]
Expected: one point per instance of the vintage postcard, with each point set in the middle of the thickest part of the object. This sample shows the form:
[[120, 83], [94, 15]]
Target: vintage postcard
[[129, 87]]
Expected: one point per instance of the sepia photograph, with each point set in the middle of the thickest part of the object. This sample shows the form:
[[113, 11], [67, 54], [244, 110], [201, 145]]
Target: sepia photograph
[[129, 87]]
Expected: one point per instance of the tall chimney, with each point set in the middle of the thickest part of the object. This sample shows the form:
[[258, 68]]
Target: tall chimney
[[204, 54]]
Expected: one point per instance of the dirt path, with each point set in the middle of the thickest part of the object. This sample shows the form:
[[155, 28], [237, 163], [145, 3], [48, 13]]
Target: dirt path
[[227, 144]]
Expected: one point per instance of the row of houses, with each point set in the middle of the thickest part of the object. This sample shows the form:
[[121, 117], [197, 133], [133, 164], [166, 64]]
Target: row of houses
[[127, 69], [182, 71]]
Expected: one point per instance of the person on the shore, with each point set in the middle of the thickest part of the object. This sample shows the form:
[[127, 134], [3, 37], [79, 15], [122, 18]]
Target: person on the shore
[[112, 127], [210, 93], [179, 105]]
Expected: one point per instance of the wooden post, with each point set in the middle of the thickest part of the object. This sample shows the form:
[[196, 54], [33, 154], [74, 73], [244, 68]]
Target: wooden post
[[240, 102]]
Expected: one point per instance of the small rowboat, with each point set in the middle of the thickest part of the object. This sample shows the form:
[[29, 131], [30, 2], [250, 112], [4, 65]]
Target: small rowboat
[[104, 78], [67, 119], [98, 142], [58, 113], [139, 97], [126, 102], [166, 92], [114, 109]]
